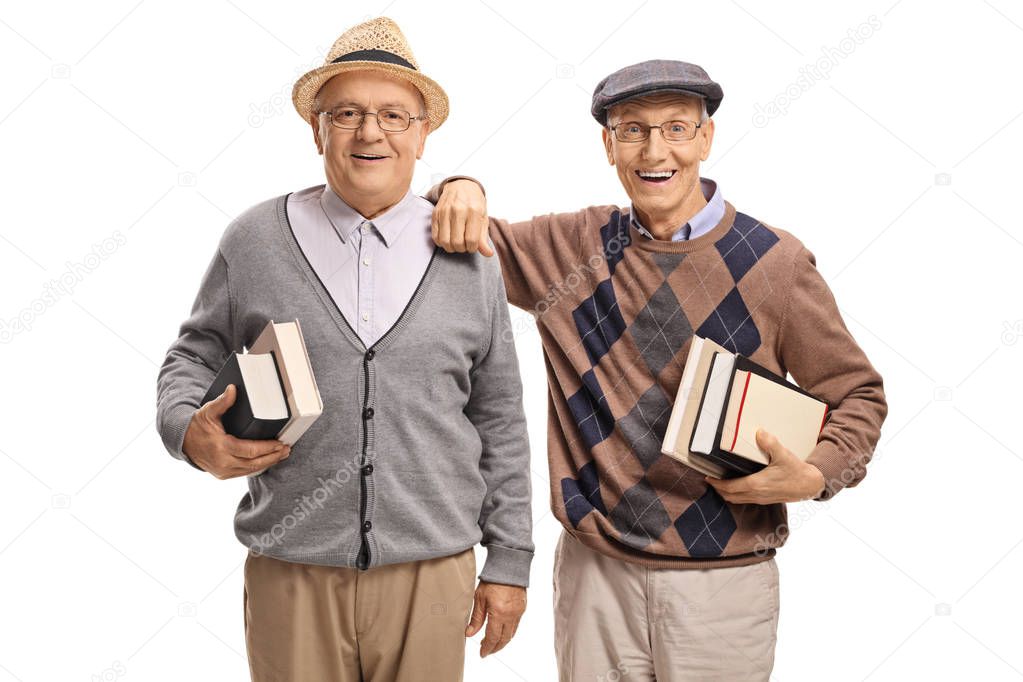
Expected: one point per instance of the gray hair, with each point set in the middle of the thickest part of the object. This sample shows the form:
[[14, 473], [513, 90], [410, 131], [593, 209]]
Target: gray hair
[[703, 110]]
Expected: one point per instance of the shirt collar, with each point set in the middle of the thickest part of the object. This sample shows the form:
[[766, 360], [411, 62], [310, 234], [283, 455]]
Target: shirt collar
[[346, 220], [704, 220]]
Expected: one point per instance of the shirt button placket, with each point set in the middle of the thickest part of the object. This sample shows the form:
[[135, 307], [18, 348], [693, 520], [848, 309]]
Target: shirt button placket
[[365, 283]]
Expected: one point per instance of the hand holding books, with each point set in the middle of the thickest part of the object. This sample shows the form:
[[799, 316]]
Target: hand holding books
[[786, 478], [266, 393], [219, 453], [726, 423]]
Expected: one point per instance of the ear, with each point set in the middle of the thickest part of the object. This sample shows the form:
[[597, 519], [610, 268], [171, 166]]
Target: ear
[[707, 130], [606, 133], [314, 121]]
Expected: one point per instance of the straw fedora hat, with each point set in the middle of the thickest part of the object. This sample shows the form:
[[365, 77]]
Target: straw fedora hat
[[375, 45]]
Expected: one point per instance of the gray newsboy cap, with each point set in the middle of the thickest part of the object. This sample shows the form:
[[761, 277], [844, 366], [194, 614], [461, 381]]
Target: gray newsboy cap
[[656, 75]]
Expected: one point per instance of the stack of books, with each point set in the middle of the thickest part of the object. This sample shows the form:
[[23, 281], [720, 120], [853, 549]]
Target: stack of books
[[276, 393], [723, 399]]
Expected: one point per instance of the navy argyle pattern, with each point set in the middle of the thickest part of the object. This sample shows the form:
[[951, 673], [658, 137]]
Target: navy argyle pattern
[[658, 330], [599, 321], [706, 525]]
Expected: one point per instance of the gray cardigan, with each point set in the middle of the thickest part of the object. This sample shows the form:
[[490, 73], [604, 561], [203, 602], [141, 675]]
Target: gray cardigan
[[421, 450]]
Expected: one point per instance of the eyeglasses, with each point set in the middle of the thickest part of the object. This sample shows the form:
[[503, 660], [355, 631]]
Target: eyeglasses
[[672, 131], [389, 120]]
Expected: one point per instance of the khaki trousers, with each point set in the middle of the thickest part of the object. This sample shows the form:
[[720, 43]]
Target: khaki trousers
[[399, 623], [616, 621]]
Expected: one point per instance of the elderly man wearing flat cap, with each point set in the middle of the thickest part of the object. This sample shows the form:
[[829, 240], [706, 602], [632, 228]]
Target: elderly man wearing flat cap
[[663, 573], [361, 536]]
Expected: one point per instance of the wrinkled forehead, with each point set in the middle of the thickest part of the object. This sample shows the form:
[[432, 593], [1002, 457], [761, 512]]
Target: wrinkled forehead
[[661, 105], [360, 88]]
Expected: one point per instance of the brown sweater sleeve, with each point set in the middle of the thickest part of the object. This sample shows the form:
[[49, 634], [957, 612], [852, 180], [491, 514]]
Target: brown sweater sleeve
[[533, 254], [823, 357], [536, 255]]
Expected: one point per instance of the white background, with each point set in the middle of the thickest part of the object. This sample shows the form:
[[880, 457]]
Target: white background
[[151, 124]]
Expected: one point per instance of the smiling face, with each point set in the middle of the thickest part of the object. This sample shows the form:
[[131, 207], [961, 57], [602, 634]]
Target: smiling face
[[661, 178], [371, 170]]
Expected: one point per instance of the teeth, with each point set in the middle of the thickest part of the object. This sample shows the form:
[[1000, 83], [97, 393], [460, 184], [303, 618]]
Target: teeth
[[368, 156], [656, 174]]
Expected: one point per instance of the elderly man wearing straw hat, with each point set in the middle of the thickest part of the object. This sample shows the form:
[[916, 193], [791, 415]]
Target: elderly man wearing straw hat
[[361, 536], [662, 572]]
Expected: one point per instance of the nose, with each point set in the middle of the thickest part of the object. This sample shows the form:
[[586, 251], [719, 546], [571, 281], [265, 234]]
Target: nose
[[655, 145], [370, 130]]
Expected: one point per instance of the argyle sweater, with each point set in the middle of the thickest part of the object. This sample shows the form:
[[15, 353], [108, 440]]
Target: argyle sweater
[[616, 313]]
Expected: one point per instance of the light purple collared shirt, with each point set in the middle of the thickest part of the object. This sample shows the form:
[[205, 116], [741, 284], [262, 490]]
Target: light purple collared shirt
[[370, 267], [704, 220]]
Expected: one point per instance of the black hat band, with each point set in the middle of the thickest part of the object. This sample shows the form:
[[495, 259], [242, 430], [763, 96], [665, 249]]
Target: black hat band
[[374, 56]]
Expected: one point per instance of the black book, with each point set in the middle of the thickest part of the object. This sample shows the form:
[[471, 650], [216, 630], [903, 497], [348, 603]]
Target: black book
[[260, 408]]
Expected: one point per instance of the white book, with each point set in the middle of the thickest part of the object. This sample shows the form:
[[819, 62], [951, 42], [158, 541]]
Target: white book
[[262, 386], [715, 401], [687, 404], [288, 345]]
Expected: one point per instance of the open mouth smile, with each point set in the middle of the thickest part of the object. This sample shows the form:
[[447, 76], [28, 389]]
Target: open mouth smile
[[655, 177]]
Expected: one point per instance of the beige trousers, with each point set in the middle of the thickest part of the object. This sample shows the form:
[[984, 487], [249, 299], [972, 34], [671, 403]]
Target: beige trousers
[[616, 621], [399, 623]]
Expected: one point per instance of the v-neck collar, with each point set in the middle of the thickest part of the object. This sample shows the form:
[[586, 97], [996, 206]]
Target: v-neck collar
[[332, 307]]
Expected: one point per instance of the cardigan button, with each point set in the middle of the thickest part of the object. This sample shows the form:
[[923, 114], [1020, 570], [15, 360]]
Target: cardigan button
[[366, 527], [370, 354], [367, 470], [367, 413]]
